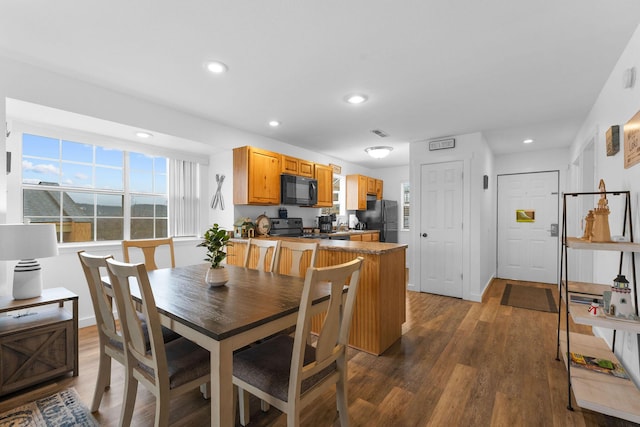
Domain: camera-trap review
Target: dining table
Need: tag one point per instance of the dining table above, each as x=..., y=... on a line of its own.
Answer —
x=252, y=305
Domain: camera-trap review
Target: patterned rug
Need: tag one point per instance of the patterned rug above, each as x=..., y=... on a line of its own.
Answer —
x=64, y=409
x=530, y=297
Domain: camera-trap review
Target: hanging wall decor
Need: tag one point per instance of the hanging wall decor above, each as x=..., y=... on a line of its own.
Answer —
x=632, y=141
x=217, y=200
x=613, y=140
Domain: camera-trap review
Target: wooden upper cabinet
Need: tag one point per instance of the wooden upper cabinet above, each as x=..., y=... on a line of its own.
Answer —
x=371, y=186
x=356, y=192
x=256, y=176
x=378, y=189
x=324, y=175
x=294, y=166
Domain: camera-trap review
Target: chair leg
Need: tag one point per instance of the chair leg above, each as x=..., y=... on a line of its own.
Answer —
x=264, y=406
x=341, y=399
x=129, y=400
x=163, y=400
x=243, y=405
x=293, y=417
x=103, y=381
x=205, y=389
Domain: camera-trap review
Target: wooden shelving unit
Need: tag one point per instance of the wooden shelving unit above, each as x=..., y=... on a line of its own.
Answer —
x=592, y=390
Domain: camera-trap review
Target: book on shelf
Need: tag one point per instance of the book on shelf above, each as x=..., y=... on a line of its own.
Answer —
x=595, y=364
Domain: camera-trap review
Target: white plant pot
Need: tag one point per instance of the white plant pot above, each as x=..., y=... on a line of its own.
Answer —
x=217, y=276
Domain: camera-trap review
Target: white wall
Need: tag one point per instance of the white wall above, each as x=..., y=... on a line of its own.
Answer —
x=478, y=209
x=35, y=85
x=615, y=106
x=393, y=178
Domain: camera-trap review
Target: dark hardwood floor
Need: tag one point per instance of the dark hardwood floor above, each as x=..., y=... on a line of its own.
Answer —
x=458, y=363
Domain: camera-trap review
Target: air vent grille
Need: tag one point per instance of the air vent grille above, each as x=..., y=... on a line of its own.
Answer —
x=380, y=133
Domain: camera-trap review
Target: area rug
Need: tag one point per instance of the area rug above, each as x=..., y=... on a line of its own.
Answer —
x=64, y=409
x=530, y=297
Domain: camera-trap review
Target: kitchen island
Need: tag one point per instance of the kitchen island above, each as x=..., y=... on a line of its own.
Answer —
x=380, y=303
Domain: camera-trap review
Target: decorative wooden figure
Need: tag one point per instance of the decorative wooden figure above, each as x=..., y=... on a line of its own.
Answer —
x=588, y=228
x=601, y=231
x=621, y=305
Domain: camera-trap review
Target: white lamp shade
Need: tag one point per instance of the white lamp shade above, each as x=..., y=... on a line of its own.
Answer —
x=27, y=241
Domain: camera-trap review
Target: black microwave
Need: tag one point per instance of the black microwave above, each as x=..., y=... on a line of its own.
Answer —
x=298, y=190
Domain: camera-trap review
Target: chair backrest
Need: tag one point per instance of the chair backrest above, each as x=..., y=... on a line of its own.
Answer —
x=264, y=248
x=148, y=247
x=291, y=257
x=333, y=337
x=101, y=296
x=121, y=275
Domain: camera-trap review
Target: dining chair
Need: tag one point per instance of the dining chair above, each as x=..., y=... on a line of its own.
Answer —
x=291, y=257
x=148, y=248
x=264, y=247
x=286, y=371
x=110, y=338
x=165, y=369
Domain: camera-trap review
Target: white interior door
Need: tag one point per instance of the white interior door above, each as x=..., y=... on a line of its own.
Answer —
x=441, y=228
x=528, y=250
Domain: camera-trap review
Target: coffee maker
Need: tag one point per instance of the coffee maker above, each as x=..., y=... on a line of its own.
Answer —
x=325, y=223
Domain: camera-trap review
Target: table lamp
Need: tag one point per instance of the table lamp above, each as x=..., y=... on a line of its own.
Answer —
x=26, y=242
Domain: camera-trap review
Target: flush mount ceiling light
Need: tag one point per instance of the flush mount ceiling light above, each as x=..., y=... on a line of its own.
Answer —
x=143, y=135
x=274, y=123
x=356, y=98
x=378, y=152
x=527, y=141
x=216, y=67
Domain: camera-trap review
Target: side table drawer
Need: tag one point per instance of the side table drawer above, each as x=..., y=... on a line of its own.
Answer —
x=35, y=348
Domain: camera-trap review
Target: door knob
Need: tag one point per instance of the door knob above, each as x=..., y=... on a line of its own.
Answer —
x=424, y=234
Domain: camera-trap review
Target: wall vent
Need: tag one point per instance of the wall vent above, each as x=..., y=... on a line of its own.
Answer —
x=380, y=133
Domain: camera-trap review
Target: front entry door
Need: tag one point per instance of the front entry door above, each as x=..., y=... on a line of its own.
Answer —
x=441, y=228
x=528, y=227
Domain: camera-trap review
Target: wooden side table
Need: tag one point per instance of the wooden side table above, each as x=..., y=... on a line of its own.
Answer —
x=40, y=344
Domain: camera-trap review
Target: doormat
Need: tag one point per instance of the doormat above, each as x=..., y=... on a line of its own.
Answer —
x=64, y=409
x=529, y=297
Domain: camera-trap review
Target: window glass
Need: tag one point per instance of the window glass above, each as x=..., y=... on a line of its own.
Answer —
x=76, y=152
x=81, y=189
x=405, y=197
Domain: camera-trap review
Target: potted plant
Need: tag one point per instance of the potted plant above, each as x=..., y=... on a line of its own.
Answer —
x=215, y=240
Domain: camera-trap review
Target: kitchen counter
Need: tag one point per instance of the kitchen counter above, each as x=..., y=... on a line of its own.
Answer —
x=380, y=302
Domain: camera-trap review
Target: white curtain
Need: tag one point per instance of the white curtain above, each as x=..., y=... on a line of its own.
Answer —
x=184, y=198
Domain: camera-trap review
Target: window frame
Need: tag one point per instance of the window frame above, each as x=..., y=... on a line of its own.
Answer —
x=405, y=204
x=15, y=211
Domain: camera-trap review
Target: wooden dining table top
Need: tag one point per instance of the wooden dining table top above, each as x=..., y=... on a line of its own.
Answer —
x=249, y=299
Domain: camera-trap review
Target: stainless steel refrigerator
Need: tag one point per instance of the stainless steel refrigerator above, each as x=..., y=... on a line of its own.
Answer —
x=381, y=215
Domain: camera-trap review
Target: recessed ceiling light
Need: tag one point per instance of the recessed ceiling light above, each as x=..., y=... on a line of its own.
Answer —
x=527, y=141
x=274, y=123
x=143, y=135
x=216, y=67
x=378, y=152
x=356, y=98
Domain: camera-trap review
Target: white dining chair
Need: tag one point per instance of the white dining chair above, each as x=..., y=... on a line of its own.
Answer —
x=165, y=369
x=291, y=257
x=267, y=251
x=150, y=249
x=286, y=371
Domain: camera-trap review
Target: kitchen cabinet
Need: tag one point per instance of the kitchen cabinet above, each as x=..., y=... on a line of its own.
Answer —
x=378, y=189
x=294, y=166
x=324, y=175
x=256, y=176
x=356, y=192
x=358, y=187
x=371, y=186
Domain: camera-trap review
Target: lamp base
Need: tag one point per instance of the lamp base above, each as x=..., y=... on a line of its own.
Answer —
x=27, y=279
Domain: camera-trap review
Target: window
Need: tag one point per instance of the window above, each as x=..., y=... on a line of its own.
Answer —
x=91, y=192
x=338, y=197
x=405, y=197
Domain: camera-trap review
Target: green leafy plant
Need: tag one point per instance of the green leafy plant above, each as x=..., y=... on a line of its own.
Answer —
x=215, y=240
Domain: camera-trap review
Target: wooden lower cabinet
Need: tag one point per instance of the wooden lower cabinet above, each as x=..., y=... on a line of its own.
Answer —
x=380, y=306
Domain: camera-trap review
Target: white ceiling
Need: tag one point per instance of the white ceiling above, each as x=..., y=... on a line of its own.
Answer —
x=513, y=69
